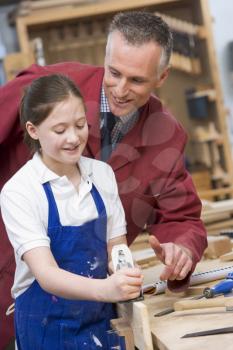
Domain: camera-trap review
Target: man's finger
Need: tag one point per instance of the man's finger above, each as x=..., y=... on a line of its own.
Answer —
x=156, y=246
x=166, y=273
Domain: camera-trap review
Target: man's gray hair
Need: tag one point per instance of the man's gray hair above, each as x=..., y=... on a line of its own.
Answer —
x=139, y=27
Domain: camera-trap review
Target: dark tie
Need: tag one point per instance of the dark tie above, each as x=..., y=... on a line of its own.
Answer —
x=106, y=131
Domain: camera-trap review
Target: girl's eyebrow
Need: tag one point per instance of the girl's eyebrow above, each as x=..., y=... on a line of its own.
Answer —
x=64, y=123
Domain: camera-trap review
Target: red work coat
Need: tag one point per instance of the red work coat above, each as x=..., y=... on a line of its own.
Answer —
x=154, y=186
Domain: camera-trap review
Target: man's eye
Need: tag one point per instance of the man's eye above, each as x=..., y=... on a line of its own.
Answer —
x=80, y=126
x=115, y=74
x=138, y=81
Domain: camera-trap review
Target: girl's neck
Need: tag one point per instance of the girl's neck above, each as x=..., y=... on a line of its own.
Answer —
x=71, y=171
x=74, y=176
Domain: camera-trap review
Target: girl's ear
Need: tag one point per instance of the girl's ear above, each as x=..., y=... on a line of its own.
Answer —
x=32, y=130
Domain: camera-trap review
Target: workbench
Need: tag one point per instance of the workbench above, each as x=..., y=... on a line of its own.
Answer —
x=165, y=332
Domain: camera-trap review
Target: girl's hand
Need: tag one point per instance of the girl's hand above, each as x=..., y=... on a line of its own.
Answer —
x=123, y=285
x=110, y=267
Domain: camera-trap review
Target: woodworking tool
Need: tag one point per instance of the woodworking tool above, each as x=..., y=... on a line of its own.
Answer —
x=169, y=310
x=223, y=287
x=122, y=257
x=209, y=332
x=228, y=233
x=219, y=301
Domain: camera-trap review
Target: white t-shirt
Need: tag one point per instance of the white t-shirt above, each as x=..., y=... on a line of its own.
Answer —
x=24, y=207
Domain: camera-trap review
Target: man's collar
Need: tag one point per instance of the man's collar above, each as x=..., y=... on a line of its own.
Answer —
x=104, y=107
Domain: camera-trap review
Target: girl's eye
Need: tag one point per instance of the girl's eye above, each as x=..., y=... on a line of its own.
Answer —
x=80, y=126
x=59, y=131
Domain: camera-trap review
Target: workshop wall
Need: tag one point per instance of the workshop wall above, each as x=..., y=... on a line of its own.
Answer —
x=8, y=37
x=222, y=12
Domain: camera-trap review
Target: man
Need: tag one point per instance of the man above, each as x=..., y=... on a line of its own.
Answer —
x=142, y=141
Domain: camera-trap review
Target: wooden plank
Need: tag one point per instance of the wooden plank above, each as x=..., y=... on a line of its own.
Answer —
x=123, y=329
x=211, y=194
x=15, y=62
x=27, y=6
x=222, y=225
x=217, y=245
x=224, y=207
x=90, y=9
x=136, y=314
x=227, y=256
x=168, y=330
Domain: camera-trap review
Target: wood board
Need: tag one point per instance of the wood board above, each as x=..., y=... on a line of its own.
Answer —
x=166, y=331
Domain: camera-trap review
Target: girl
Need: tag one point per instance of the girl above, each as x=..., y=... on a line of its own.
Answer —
x=63, y=216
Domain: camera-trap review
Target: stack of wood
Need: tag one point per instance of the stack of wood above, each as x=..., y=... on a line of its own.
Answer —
x=218, y=216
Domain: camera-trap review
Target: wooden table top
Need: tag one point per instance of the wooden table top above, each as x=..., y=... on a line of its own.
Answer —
x=167, y=330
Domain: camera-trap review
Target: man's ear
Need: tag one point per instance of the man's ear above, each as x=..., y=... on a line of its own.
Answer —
x=163, y=77
x=32, y=130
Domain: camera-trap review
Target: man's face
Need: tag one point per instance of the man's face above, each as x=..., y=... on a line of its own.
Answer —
x=131, y=74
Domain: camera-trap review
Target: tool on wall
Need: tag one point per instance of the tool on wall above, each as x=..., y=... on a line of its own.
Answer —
x=38, y=50
x=185, y=50
x=207, y=142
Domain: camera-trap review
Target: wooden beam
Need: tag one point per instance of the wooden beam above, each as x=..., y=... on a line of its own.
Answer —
x=136, y=314
x=90, y=9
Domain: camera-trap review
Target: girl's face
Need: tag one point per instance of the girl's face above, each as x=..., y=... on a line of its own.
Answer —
x=63, y=134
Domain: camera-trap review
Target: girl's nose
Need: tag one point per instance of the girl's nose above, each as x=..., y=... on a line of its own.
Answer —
x=73, y=136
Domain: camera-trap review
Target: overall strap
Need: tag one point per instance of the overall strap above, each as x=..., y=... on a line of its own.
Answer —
x=54, y=219
x=98, y=201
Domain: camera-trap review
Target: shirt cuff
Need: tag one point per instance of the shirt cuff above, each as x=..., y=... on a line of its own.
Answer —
x=119, y=231
x=45, y=242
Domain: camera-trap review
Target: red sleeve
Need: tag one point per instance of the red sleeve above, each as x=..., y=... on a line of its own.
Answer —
x=178, y=212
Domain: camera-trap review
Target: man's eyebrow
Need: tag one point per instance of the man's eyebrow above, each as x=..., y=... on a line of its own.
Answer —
x=132, y=77
x=113, y=68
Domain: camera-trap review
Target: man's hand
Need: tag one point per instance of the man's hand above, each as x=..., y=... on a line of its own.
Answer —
x=177, y=259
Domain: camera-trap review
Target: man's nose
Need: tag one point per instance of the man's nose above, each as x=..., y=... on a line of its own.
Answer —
x=122, y=88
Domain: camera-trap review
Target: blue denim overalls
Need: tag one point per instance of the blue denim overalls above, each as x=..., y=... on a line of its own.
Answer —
x=47, y=322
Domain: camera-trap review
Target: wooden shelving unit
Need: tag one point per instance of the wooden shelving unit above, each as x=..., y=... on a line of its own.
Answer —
x=79, y=33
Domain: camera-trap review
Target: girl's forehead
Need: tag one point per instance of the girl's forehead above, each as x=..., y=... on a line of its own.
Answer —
x=71, y=104
x=65, y=112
